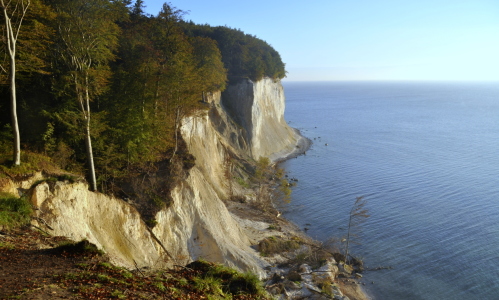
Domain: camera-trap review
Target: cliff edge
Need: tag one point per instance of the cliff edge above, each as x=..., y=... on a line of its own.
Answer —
x=242, y=124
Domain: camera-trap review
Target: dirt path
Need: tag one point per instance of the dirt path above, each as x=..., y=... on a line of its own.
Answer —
x=28, y=264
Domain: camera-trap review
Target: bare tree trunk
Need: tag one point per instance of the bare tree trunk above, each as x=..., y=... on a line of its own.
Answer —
x=348, y=235
x=177, y=128
x=90, y=158
x=13, y=113
x=88, y=140
x=358, y=214
x=12, y=34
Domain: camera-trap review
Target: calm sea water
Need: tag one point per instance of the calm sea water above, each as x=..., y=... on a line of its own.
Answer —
x=426, y=158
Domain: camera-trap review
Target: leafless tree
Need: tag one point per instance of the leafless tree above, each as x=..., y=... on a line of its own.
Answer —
x=13, y=15
x=358, y=214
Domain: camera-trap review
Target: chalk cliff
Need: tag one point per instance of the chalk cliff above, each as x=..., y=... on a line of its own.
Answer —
x=246, y=122
x=258, y=107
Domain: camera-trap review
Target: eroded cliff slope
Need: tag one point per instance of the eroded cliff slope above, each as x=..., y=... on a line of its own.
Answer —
x=244, y=123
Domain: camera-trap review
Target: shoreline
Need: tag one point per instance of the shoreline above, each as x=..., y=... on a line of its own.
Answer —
x=301, y=146
x=350, y=287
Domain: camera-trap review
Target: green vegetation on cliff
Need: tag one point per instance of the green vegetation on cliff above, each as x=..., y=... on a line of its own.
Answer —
x=244, y=55
x=101, y=88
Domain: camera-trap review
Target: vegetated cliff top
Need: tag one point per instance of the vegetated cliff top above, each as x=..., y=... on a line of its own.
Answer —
x=244, y=55
x=143, y=75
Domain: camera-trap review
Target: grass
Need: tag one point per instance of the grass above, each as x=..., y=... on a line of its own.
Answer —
x=223, y=281
x=6, y=245
x=199, y=280
x=30, y=163
x=14, y=211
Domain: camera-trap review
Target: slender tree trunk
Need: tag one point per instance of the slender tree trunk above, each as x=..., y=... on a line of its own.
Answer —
x=12, y=34
x=177, y=128
x=348, y=237
x=13, y=112
x=90, y=158
x=88, y=140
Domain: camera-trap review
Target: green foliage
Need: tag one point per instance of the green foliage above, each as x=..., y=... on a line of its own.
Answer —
x=6, y=138
x=6, y=245
x=14, y=211
x=32, y=162
x=198, y=280
x=133, y=77
x=151, y=223
x=118, y=294
x=271, y=181
x=263, y=169
x=222, y=281
x=244, y=55
x=48, y=139
x=242, y=182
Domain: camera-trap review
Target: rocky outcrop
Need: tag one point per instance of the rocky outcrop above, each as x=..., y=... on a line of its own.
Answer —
x=246, y=122
x=71, y=210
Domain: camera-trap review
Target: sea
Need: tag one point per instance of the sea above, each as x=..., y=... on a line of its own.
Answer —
x=425, y=158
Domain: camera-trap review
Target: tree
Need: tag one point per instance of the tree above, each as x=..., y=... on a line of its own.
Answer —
x=88, y=37
x=138, y=8
x=13, y=14
x=271, y=181
x=209, y=65
x=263, y=172
x=358, y=214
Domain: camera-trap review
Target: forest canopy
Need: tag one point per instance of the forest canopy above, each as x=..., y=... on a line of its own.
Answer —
x=101, y=87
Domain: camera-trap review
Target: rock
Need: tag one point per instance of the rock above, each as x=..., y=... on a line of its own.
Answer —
x=304, y=268
x=327, y=272
x=258, y=107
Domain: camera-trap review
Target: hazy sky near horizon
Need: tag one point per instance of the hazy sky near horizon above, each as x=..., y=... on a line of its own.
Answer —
x=365, y=39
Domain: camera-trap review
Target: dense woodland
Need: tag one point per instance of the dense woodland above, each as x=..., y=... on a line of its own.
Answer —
x=101, y=87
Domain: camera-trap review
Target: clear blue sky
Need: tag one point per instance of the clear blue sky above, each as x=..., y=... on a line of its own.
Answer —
x=365, y=39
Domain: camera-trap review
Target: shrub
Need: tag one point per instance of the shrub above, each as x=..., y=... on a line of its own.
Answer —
x=273, y=245
x=82, y=247
x=14, y=211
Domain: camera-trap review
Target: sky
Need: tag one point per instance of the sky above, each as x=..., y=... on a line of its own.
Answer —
x=322, y=40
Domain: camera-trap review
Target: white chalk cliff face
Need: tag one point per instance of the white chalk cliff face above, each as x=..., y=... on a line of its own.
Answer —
x=197, y=224
x=258, y=107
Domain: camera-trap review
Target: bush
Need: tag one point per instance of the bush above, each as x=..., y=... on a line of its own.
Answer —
x=273, y=245
x=14, y=211
x=82, y=247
